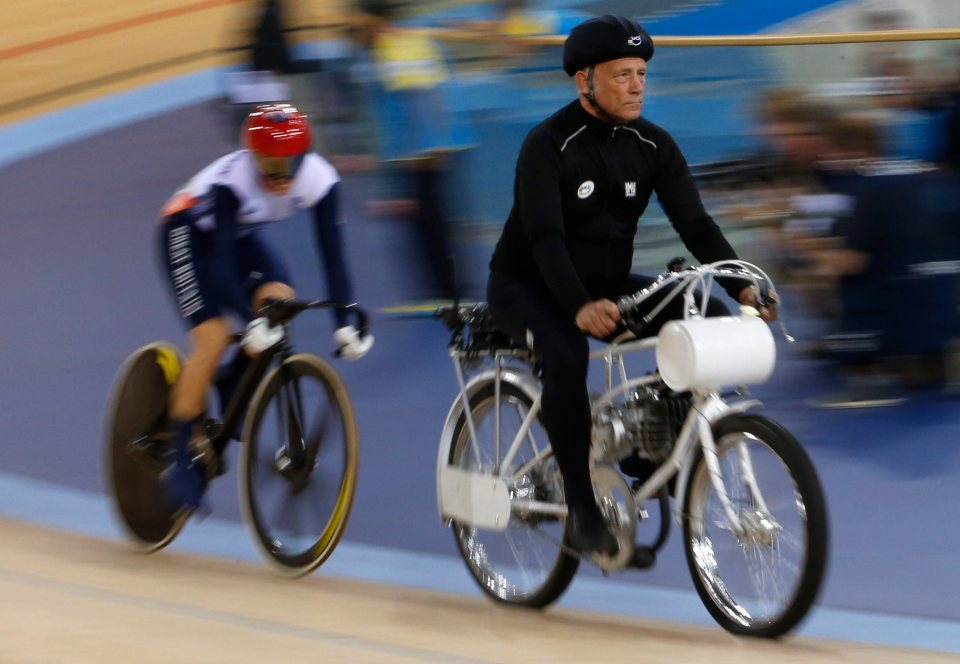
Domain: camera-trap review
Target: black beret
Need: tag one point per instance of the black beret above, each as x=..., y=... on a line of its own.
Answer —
x=605, y=38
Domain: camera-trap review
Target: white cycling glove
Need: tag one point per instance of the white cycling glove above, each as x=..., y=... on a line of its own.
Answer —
x=260, y=335
x=350, y=344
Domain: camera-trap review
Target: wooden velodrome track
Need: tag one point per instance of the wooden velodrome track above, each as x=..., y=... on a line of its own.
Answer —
x=75, y=599
x=69, y=598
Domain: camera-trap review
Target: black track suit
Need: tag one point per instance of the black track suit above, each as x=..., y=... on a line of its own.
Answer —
x=581, y=185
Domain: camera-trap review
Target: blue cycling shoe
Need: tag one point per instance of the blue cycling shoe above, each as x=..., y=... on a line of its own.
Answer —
x=185, y=481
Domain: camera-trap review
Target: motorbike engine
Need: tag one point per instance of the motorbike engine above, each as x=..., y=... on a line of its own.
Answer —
x=647, y=423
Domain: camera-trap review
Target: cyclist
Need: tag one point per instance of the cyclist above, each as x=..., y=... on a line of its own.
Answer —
x=218, y=264
x=583, y=178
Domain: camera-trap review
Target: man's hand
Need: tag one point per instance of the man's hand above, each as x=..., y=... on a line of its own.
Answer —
x=598, y=318
x=750, y=298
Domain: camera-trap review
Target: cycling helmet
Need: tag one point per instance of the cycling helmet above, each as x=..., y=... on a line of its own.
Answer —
x=278, y=135
x=605, y=38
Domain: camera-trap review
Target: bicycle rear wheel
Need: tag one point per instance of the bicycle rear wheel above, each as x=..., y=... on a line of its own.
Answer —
x=136, y=450
x=298, y=470
x=524, y=564
x=763, y=581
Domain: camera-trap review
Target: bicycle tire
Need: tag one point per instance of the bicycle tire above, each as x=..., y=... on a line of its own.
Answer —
x=480, y=548
x=135, y=454
x=734, y=590
x=278, y=481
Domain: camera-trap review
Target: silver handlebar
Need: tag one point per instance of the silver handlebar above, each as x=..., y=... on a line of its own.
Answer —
x=687, y=280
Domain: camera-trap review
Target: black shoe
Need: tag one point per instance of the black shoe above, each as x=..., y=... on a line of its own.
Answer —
x=643, y=557
x=640, y=469
x=588, y=533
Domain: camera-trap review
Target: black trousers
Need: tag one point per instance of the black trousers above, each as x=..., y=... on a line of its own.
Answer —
x=526, y=310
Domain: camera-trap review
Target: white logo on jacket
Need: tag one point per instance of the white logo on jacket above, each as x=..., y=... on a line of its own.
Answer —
x=630, y=189
x=585, y=189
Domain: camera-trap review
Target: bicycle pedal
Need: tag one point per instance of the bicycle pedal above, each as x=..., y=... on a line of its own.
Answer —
x=207, y=456
x=212, y=427
x=149, y=443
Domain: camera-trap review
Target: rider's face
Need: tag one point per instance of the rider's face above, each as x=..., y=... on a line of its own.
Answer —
x=618, y=87
x=277, y=173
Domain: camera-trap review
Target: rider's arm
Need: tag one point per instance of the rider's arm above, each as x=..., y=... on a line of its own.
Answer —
x=228, y=284
x=326, y=224
x=680, y=198
x=538, y=198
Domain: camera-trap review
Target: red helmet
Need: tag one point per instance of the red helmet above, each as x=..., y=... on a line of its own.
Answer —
x=277, y=130
x=278, y=135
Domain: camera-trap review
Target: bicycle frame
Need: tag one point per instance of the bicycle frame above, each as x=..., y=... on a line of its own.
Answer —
x=236, y=410
x=278, y=313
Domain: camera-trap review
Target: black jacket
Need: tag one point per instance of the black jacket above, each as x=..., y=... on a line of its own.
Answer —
x=581, y=185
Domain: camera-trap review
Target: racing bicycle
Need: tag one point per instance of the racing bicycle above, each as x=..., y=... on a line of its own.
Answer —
x=298, y=457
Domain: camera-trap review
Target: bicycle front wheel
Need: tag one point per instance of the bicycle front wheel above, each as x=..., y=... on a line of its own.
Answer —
x=759, y=579
x=524, y=564
x=298, y=470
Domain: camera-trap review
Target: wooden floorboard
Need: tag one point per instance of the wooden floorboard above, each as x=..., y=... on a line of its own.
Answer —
x=55, y=54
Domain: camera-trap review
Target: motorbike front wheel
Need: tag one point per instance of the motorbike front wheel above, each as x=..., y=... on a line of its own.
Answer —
x=758, y=579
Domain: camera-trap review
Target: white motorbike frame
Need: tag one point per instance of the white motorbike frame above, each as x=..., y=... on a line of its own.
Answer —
x=482, y=499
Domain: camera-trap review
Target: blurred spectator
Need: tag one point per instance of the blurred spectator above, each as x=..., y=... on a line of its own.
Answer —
x=418, y=137
x=273, y=73
x=951, y=152
x=804, y=189
x=271, y=50
x=949, y=102
x=894, y=88
x=520, y=19
x=869, y=242
x=897, y=267
x=838, y=147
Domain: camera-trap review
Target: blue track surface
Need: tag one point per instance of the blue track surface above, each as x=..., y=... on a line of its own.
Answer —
x=81, y=290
